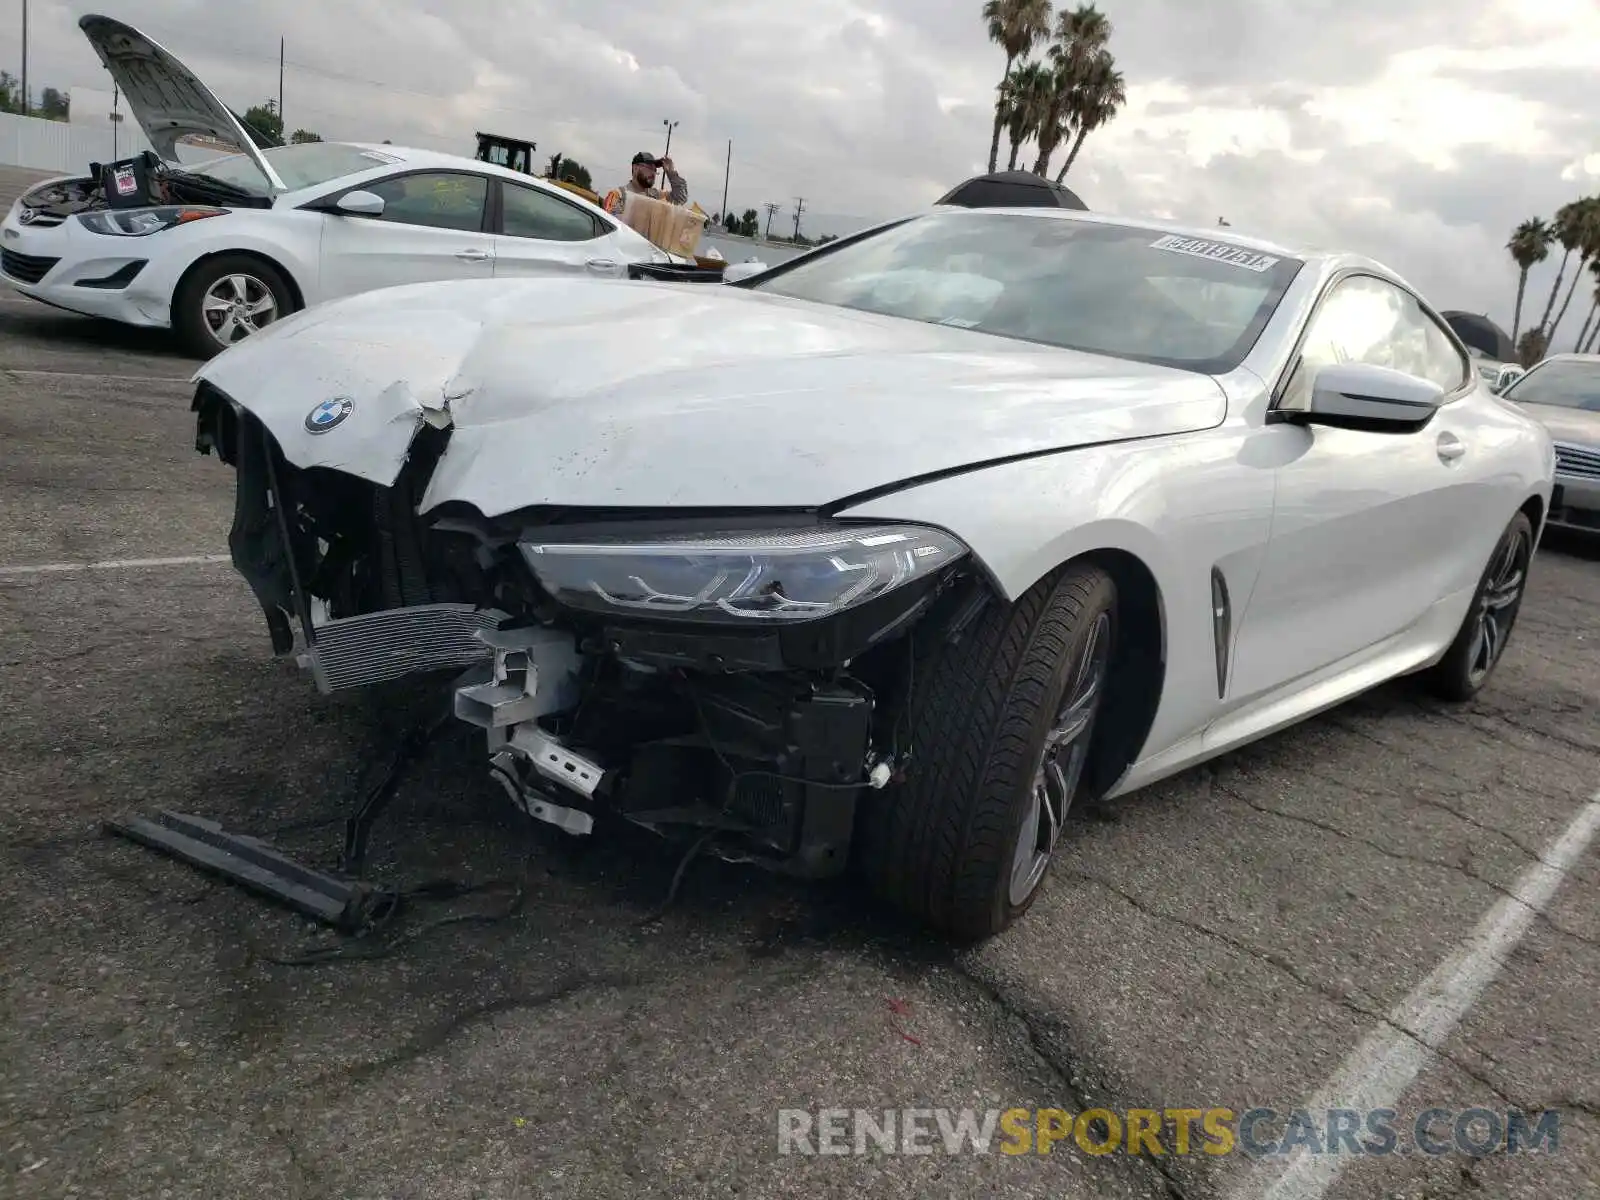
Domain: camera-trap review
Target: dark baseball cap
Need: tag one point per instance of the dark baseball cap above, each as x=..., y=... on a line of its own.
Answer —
x=645, y=158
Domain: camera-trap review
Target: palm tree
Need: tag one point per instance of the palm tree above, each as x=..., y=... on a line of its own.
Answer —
x=1026, y=96
x=1583, y=330
x=1016, y=26
x=1100, y=96
x=1587, y=234
x=1081, y=35
x=1531, y=346
x=1566, y=229
x=1529, y=245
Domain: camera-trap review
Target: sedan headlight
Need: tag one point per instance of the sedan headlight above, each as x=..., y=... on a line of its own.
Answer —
x=782, y=576
x=141, y=222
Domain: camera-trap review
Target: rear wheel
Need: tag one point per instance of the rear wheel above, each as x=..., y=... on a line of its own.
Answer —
x=226, y=299
x=1481, y=642
x=1001, y=732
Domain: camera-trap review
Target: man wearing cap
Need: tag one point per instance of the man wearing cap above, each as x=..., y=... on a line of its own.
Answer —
x=643, y=181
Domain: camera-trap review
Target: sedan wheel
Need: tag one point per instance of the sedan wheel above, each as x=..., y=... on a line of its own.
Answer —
x=236, y=306
x=1002, y=724
x=226, y=299
x=1481, y=641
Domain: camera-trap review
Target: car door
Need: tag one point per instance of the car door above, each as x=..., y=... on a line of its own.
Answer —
x=1367, y=526
x=434, y=225
x=544, y=234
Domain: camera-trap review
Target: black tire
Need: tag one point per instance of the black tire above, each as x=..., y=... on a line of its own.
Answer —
x=941, y=845
x=1462, y=673
x=189, y=318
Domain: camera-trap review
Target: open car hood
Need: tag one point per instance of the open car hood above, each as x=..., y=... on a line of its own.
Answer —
x=594, y=393
x=166, y=98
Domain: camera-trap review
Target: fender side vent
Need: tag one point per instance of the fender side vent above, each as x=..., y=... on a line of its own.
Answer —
x=1221, y=627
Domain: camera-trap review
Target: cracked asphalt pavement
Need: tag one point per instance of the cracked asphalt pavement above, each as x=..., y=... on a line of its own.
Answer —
x=1223, y=939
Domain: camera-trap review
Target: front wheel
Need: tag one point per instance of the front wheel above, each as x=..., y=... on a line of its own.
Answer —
x=226, y=299
x=1002, y=724
x=1481, y=642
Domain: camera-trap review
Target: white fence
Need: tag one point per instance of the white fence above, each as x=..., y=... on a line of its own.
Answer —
x=42, y=145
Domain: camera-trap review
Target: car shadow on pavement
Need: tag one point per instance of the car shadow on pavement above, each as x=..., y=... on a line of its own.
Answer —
x=69, y=333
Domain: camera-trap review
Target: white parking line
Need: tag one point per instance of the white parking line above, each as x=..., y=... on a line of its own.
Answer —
x=1380, y=1069
x=98, y=375
x=116, y=564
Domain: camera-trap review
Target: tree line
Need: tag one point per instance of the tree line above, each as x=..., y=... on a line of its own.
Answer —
x=264, y=124
x=1059, y=97
x=54, y=104
x=1575, y=228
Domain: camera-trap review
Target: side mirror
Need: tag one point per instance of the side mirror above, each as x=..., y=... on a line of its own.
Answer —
x=361, y=204
x=1368, y=398
x=734, y=272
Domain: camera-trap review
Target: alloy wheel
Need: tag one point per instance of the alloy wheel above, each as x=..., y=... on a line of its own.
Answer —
x=1066, y=749
x=235, y=306
x=1497, y=604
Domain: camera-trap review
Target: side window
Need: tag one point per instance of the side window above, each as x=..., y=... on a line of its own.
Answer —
x=438, y=199
x=1368, y=320
x=531, y=213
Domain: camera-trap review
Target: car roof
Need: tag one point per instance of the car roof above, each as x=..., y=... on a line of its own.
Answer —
x=411, y=158
x=1581, y=358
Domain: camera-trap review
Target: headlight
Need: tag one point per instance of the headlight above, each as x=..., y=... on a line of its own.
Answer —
x=774, y=577
x=141, y=222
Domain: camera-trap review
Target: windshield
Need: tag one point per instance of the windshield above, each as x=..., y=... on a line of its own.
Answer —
x=1119, y=290
x=1561, y=385
x=301, y=166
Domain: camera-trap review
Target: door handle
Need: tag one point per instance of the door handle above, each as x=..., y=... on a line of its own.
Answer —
x=1450, y=447
x=601, y=264
x=472, y=255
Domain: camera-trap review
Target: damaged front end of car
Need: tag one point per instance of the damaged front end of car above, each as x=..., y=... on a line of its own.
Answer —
x=736, y=678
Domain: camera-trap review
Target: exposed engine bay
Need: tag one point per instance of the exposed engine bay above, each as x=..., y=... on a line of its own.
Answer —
x=721, y=699
x=144, y=181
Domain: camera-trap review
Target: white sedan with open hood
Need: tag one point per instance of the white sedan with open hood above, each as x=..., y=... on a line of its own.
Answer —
x=892, y=554
x=219, y=249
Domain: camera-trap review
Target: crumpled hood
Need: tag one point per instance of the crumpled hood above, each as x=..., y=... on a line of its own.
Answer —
x=618, y=394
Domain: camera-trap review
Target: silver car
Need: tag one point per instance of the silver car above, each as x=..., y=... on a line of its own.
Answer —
x=1563, y=394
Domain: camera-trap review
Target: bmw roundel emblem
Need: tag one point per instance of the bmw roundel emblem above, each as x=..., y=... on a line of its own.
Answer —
x=329, y=414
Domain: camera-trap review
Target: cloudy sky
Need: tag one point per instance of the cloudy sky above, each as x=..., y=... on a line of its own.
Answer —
x=1417, y=132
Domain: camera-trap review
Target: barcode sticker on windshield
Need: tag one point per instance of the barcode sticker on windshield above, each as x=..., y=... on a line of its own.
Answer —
x=1217, y=251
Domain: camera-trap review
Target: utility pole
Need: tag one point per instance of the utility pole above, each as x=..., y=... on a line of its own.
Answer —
x=282, y=127
x=671, y=125
x=772, y=211
x=24, y=57
x=726, y=168
x=799, y=207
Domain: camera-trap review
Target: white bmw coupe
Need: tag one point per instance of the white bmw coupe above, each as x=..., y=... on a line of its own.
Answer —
x=219, y=249
x=894, y=553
